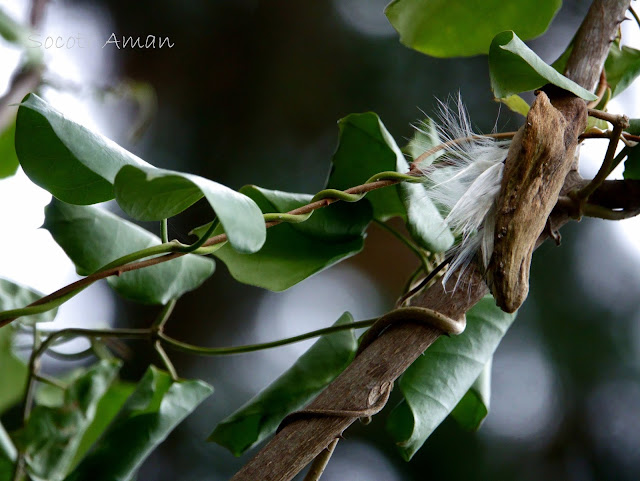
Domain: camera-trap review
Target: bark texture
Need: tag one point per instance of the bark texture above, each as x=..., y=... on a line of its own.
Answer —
x=364, y=381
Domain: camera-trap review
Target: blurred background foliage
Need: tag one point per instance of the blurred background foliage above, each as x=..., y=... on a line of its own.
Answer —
x=251, y=93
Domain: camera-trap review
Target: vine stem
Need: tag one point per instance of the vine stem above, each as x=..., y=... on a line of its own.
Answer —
x=393, y=352
x=635, y=15
x=225, y=351
x=164, y=230
x=174, y=249
x=164, y=315
x=620, y=122
x=166, y=360
x=158, y=337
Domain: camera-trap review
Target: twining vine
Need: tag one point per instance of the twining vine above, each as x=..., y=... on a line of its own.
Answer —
x=424, y=310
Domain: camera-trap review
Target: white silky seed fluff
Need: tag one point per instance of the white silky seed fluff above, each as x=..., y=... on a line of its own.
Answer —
x=465, y=182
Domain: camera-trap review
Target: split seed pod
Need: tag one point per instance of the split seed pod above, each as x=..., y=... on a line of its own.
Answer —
x=539, y=159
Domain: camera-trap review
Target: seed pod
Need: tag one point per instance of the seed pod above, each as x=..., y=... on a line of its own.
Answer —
x=537, y=164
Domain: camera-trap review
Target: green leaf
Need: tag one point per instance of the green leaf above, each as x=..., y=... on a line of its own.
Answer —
x=466, y=27
x=515, y=68
x=15, y=296
x=474, y=405
x=622, y=67
x=7, y=448
x=425, y=137
x=365, y=148
x=8, y=158
x=632, y=164
x=8, y=455
x=93, y=237
x=11, y=30
x=14, y=371
x=436, y=382
x=53, y=434
x=106, y=410
x=424, y=221
x=75, y=164
x=315, y=369
x=155, y=194
x=294, y=252
x=593, y=122
x=155, y=408
x=516, y=104
x=634, y=127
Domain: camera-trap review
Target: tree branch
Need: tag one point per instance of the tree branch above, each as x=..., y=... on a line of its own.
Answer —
x=592, y=41
x=392, y=353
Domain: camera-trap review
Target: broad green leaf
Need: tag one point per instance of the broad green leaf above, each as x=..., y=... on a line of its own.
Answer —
x=436, y=382
x=8, y=455
x=315, y=369
x=7, y=448
x=294, y=252
x=516, y=104
x=93, y=237
x=8, y=158
x=622, y=67
x=201, y=230
x=14, y=371
x=106, y=410
x=632, y=164
x=465, y=27
x=53, y=434
x=474, y=405
x=11, y=30
x=634, y=126
x=154, y=409
x=425, y=137
x=424, y=221
x=155, y=194
x=515, y=68
x=15, y=296
x=75, y=164
x=365, y=148
x=593, y=122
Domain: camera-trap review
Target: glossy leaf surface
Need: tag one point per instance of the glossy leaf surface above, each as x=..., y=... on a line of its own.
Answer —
x=261, y=416
x=463, y=28
x=93, y=237
x=436, y=382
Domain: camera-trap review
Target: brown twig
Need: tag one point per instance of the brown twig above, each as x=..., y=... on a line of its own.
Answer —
x=620, y=122
x=602, y=88
x=387, y=357
x=607, y=135
x=80, y=284
x=577, y=210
